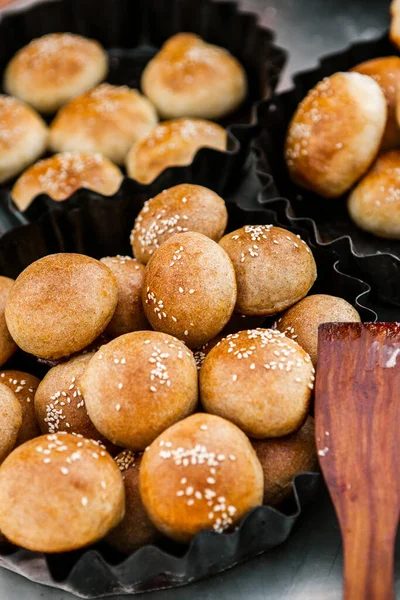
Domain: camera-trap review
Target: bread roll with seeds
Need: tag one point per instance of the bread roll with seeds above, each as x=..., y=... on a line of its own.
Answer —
x=7, y=345
x=129, y=314
x=135, y=529
x=24, y=386
x=107, y=119
x=59, y=493
x=284, y=458
x=335, y=133
x=172, y=143
x=10, y=419
x=302, y=320
x=23, y=137
x=201, y=473
x=54, y=68
x=386, y=72
x=62, y=174
x=184, y=207
x=189, y=289
x=190, y=78
x=138, y=385
x=60, y=304
x=274, y=268
x=260, y=380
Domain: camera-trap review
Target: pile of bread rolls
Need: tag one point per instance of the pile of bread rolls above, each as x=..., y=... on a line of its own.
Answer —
x=100, y=127
x=168, y=409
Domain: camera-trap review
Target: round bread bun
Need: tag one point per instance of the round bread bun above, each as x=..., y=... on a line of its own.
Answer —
x=53, y=69
x=284, y=458
x=172, y=143
x=24, y=387
x=394, y=32
x=62, y=174
x=335, y=133
x=23, y=137
x=274, y=268
x=59, y=493
x=60, y=304
x=135, y=529
x=386, y=72
x=201, y=473
x=302, y=320
x=138, y=385
x=10, y=419
x=129, y=314
x=107, y=119
x=260, y=380
x=189, y=289
x=374, y=204
x=184, y=207
x=190, y=78
x=7, y=345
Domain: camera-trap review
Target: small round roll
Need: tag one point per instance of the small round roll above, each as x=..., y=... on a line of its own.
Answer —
x=23, y=137
x=172, y=143
x=184, y=207
x=10, y=419
x=386, y=72
x=59, y=493
x=108, y=120
x=201, y=473
x=24, y=386
x=335, y=133
x=60, y=304
x=53, y=69
x=7, y=345
x=374, y=204
x=62, y=174
x=302, y=320
x=190, y=78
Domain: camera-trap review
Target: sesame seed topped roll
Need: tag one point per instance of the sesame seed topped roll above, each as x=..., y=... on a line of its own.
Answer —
x=11, y=421
x=7, y=345
x=24, y=387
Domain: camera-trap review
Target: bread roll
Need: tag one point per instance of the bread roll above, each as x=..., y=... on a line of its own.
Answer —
x=7, y=345
x=24, y=387
x=10, y=419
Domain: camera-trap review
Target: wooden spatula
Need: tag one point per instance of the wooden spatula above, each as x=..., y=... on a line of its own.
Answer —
x=357, y=411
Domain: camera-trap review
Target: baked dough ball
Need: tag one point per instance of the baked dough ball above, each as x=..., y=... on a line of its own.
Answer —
x=135, y=529
x=284, y=458
x=108, y=119
x=394, y=32
x=62, y=174
x=189, y=288
x=301, y=322
x=190, y=78
x=58, y=493
x=184, y=207
x=260, y=380
x=274, y=268
x=129, y=314
x=60, y=304
x=10, y=419
x=53, y=69
x=23, y=137
x=335, y=133
x=374, y=205
x=201, y=473
x=24, y=387
x=386, y=72
x=172, y=143
x=7, y=345
x=138, y=385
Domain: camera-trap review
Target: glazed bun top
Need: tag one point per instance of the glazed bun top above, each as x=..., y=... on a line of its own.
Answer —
x=190, y=78
x=53, y=69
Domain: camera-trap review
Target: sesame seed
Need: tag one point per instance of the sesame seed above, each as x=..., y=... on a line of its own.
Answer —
x=117, y=407
x=84, y=500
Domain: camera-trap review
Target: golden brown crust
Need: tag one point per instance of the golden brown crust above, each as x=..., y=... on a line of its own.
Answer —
x=59, y=493
x=302, y=320
x=7, y=345
x=24, y=387
x=138, y=385
x=60, y=304
x=190, y=288
x=184, y=207
x=274, y=268
x=202, y=473
x=170, y=144
x=394, y=32
x=10, y=419
x=260, y=380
